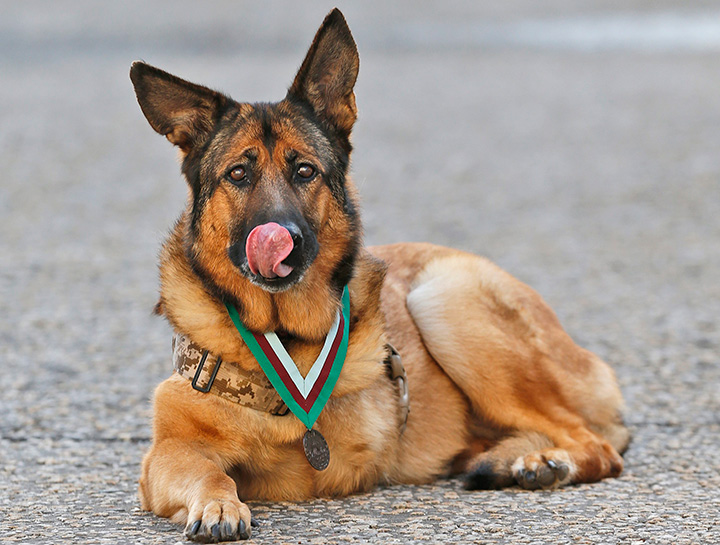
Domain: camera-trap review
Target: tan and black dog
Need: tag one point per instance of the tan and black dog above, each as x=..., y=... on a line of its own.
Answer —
x=498, y=391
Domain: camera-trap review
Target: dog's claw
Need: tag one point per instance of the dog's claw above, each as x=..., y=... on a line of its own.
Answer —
x=226, y=531
x=242, y=530
x=222, y=520
x=193, y=530
x=254, y=523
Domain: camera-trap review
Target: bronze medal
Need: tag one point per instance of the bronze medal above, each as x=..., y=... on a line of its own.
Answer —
x=316, y=449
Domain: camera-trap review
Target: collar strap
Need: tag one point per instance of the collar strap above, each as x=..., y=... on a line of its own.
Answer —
x=251, y=389
x=225, y=379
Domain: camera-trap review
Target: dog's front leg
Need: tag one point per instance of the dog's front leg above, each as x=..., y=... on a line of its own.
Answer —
x=183, y=484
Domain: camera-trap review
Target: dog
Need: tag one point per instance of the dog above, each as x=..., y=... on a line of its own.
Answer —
x=407, y=362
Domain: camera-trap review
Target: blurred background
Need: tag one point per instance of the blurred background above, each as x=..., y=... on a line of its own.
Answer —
x=574, y=143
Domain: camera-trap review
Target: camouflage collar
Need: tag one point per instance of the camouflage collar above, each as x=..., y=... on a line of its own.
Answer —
x=248, y=388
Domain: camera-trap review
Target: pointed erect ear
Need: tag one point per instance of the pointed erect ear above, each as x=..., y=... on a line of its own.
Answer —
x=328, y=73
x=183, y=112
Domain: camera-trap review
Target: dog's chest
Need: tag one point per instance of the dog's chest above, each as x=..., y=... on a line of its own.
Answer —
x=362, y=436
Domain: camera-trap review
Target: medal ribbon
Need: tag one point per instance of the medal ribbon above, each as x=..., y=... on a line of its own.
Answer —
x=305, y=396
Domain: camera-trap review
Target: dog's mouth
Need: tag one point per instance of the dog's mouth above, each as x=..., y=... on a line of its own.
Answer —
x=267, y=247
x=275, y=256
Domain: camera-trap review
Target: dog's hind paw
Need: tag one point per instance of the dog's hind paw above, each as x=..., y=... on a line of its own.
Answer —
x=551, y=468
x=219, y=520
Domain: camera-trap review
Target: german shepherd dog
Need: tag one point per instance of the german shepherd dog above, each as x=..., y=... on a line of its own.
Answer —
x=270, y=241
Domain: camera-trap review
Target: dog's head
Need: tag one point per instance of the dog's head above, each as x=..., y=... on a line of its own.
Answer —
x=270, y=203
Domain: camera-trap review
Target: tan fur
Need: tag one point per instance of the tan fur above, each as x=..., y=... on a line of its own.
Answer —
x=498, y=339
x=498, y=390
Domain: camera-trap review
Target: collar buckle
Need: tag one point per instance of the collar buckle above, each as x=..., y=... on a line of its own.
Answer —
x=214, y=373
x=398, y=374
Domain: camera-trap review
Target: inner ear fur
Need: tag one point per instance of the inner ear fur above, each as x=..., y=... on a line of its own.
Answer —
x=183, y=112
x=327, y=75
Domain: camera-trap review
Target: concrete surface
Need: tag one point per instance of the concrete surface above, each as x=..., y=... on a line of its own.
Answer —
x=575, y=143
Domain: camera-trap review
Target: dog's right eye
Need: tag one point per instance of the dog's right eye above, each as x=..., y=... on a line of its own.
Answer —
x=237, y=174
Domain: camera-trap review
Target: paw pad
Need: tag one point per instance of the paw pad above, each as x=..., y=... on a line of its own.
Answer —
x=540, y=473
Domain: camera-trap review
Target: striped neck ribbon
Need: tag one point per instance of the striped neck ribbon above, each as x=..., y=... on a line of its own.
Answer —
x=305, y=396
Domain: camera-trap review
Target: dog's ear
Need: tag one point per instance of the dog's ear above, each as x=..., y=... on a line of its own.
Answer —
x=183, y=112
x=327, y=75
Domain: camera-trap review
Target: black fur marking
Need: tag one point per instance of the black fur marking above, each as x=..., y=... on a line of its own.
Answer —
x=268, y=135
x=483, y=477
x=344, y=270
x=192, y=164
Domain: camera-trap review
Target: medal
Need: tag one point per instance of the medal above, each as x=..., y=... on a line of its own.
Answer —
x=305, y=396
x=316, y=449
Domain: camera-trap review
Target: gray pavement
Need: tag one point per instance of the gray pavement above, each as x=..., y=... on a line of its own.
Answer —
x=574, y=143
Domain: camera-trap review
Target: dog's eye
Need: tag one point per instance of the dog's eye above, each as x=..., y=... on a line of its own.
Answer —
x=306, y=172
x=237, y=174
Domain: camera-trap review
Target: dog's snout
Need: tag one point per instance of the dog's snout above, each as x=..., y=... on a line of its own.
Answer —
x=277, y=250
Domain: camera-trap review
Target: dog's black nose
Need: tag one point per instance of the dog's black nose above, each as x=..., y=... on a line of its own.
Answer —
x=295, y=257
x=295, y=233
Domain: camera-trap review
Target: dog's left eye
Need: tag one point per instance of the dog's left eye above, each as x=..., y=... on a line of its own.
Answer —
x=305, y=172
x=237, y=174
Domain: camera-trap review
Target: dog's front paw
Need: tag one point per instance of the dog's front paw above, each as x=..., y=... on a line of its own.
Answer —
x=218, y=520
x=551, y=468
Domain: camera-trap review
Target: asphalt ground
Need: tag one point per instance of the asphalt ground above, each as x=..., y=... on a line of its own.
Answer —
x=576, y=144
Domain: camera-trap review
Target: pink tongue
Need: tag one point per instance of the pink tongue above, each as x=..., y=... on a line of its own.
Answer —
x=266, y=246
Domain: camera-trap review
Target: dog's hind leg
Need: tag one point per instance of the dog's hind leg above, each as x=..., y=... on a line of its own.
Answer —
x=557, y=403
